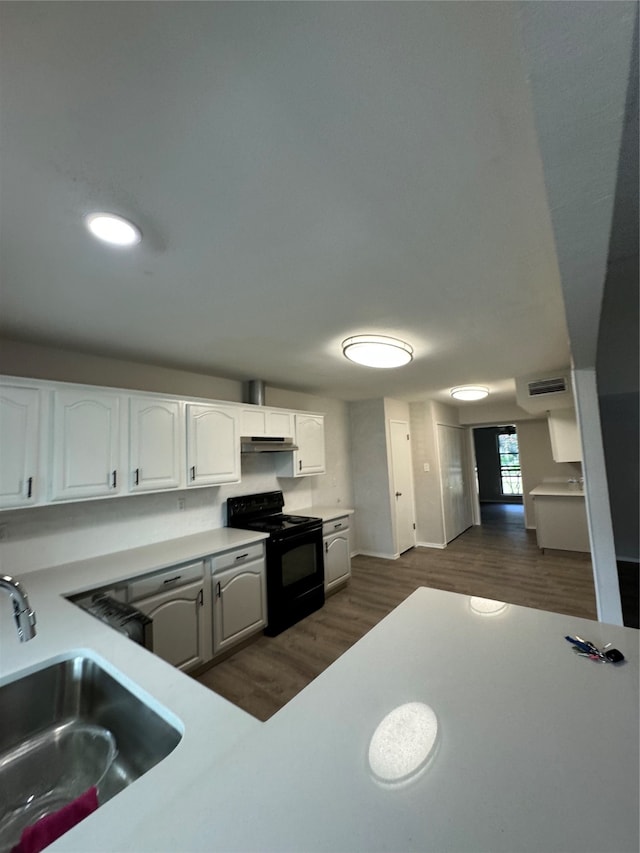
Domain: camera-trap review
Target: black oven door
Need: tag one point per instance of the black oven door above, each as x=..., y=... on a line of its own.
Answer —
x=295, y=578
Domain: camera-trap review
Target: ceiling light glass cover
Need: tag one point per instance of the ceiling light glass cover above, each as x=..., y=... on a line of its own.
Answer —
x=113, y=229
x=377, y=351
x=470, y=392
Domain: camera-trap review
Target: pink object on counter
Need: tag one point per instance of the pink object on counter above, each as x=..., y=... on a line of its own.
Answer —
x=36, y=837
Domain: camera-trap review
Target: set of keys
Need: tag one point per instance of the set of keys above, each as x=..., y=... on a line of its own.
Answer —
x=585, y=649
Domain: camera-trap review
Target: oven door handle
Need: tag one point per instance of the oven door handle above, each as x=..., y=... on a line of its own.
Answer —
x=312, y=536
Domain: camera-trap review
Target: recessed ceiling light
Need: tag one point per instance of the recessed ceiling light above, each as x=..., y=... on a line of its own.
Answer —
x=377, y=351
x=113, y=229
x=469, y=392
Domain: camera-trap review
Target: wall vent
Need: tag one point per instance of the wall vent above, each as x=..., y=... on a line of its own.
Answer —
x=547, y=386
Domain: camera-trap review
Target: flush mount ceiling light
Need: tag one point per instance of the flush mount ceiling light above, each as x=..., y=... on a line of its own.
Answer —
x=113, y=229
x=377, y=351
x=469, y=392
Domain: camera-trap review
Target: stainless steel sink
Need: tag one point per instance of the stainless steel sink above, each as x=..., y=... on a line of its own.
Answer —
x=65, y=728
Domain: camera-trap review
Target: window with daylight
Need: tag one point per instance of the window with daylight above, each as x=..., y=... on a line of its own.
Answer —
x=510, y=474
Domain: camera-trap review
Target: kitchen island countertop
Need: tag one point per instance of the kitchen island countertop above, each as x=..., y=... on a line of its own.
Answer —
x=520, y=718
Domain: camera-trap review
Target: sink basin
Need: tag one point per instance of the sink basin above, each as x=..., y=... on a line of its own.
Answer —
x=65, y=728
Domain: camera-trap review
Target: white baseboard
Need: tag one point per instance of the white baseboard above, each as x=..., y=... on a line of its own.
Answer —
x=381, y=556
x=440, y=545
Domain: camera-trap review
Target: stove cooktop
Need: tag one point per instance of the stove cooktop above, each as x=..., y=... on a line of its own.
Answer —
x=279, y=523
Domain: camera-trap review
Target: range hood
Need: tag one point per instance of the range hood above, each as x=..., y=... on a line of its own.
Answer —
x=266, y=444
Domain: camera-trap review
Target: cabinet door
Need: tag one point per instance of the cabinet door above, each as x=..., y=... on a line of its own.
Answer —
x=280, y=423
x=155, y=460
x=310, y=441
x=19, y=441
x=258, y=421
x=239, y=608
x=213, y=445
x=337, y=558
x=179, y=624
x=85, y=445
x=565, y=436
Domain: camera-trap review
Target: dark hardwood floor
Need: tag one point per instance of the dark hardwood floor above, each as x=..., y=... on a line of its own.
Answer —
x=499, y=559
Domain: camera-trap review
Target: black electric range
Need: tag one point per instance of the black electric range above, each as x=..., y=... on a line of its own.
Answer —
x=294, y=556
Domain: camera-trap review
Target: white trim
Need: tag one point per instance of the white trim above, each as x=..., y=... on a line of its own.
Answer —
x=596, y=492
x=441, y=545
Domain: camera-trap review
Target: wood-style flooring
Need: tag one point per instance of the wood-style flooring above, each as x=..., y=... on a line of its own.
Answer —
x=499, y=559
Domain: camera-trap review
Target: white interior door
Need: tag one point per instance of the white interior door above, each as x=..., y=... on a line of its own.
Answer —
x=456, y=495
x=402, y=483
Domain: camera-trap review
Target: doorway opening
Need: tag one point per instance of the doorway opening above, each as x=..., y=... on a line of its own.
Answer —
x=499, y=476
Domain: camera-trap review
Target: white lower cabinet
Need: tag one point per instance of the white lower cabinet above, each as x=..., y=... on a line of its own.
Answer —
x=181, y=617
x=337, y=553
x=239, y=595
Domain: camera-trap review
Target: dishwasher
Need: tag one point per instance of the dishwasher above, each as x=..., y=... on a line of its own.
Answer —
x=175, y=600
x=110, y=607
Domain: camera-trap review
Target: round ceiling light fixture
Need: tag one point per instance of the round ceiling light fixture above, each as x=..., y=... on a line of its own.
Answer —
x=113, y=229
x=469, y=392
x=377, y=351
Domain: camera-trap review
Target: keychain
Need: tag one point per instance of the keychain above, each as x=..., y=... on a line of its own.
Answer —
x=585, y=649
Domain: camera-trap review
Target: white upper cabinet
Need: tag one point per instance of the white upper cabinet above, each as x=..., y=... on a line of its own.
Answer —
x=309, y=458
x=565, y=436
x=85, y=444
x=19, y=446
x=156, y=456
x=213, y=445
x=259, y=422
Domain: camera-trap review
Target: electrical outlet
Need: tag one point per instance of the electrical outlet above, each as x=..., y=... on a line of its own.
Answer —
x=180, y=503
x=427, y=467
x=4, y=533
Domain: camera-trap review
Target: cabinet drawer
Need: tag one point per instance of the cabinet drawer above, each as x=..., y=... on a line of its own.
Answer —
x=333, y=526
x=167, y=579
x=237, y=557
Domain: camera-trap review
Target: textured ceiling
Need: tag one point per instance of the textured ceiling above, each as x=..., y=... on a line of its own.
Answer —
x=301, y=172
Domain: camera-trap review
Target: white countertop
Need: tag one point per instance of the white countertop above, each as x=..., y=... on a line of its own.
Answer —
x=537, y=748
x=557, y=490
x=326, y=513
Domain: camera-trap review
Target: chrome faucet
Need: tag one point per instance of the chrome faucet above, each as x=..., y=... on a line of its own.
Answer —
x=22, y=613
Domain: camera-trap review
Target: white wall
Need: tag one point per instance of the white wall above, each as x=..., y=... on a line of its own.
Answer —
x=370, y=470
x=47, y=536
